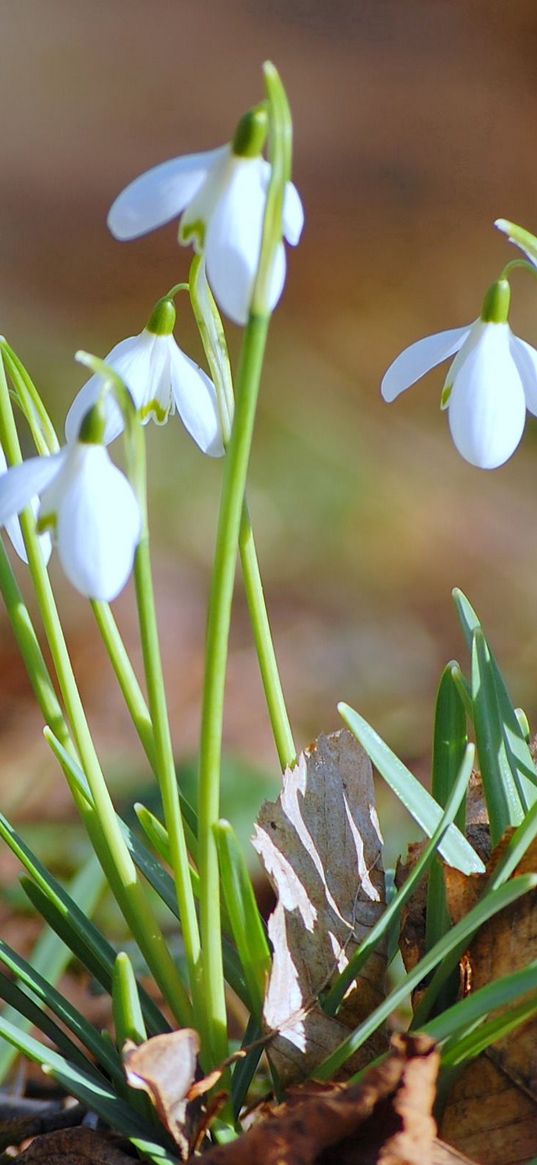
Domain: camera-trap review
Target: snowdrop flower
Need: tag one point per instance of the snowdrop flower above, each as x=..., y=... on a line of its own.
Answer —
x=88, y=505
x=489, y=385
x=221, y=197
x=160, y=379
x=13, y=527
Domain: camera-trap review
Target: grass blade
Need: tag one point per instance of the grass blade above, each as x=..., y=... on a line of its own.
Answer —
x=461, y=932
x=456, y=850
x=501, y=784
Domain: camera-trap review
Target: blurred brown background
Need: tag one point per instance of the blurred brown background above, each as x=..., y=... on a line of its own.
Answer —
x=415, y=128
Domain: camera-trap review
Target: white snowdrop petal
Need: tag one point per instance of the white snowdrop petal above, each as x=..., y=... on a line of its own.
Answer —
x=195, y=399
x=98, y=525
x=153, y=394
x=234, y=239
x=487, y=408
x=293, y=214
x=277, y=279
x=525, y=358
x=131, y=359
x=23, y=482
x=160, y=194
x=419, y=358
x=14, y=532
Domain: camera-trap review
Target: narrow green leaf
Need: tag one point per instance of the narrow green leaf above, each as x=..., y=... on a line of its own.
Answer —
x=504, y=797
x=244, y=1070
x=162, y=883
x=128, y=1016
x=467, y=1047
x=28, y=1014
x=515, y=744
x=393, y=910
x=50, y=955
x=471, y=1010
x=157, y=836
x=70, y=923
x=456, y=850
x=450, y=740
x=247, y=926
x=449, y=745
x=105, y=1055
x=461, y=932
x=89, y=946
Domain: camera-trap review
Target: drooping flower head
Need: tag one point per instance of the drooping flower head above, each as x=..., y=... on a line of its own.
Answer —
x=221, y=197
x=88, y=506
x=488, y=387
x=161, y=379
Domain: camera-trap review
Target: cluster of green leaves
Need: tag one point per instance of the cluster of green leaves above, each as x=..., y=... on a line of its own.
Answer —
x=509, y=778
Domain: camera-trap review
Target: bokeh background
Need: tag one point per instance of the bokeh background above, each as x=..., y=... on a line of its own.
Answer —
x=415, y=129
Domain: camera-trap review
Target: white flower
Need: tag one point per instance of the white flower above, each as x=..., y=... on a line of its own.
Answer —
x=221, y=196
x=13, y=526
x=160, y=379
x=489, y=385
x=90, y=508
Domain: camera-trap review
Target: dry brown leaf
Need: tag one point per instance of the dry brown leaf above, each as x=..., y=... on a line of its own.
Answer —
x=78, y=1146
x=320, y=844
x=385, y=1120
x=165, y=1067
x=492, y=1108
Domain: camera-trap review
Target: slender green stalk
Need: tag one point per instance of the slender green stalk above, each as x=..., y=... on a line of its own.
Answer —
x=126, y=677
x=268, y=665
x=223, y=577
x=121, y=868
x=214, y=342
x=218, y=624
x=163, y=749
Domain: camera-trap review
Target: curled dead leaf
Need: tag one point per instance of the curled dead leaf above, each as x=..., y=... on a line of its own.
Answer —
x=384, y=1120
x=165, y=1067
x=320, y=845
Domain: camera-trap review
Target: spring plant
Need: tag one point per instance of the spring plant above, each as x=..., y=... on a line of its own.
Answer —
x=198, y=1037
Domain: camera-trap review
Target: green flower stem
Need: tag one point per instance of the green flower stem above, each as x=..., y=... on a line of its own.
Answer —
x=515, y=264
x=223, y=577
x=218, y=624
x=120, y=868
x=163, y=749
x=213, y=338
x=268, y=666
x=126, y=677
